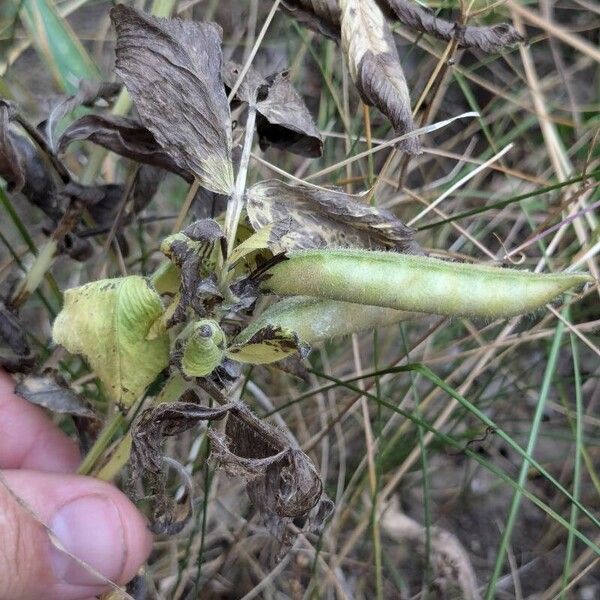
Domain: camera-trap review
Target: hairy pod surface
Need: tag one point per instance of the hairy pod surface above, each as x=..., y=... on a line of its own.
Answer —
x=314, y=320
x=203, y=346
x=416, y=283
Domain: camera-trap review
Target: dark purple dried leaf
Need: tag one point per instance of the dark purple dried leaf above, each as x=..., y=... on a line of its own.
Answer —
x=50, y=391
x=15, y=353
x=88, y=93
x=419, y=18
x=374, y=66
x=124, y=136
x=172, y=68
x=282, y=120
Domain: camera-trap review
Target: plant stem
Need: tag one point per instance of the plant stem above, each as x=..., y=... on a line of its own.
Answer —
x=234, y=207
x=101, y=443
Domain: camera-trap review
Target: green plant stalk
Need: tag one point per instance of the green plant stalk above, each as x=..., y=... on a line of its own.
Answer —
x=525, y=465
x=416, y=283
x=576, y=465
x=101, y=444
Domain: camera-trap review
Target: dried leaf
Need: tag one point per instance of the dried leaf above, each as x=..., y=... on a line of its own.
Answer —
x=419, y=18
x=52, y=392
x=322, y=16
x=11, y=164
x=282, y=480
x=124, y=136
x=147, y=459
x=266, y=345
x=252, y=88
x=282, y=121
x=310, y=217
x=374, y=65
x=120, y=313
x=172, y=68
x=88, y=93
x=15, y=353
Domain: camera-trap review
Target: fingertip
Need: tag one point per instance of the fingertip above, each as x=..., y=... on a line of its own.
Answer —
x=28, y=437
x=91, y=520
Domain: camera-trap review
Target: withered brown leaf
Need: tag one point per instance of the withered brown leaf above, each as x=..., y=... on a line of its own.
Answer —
x=124, y=136
x=419, y=18
x=11, y=163
x=15, y=353
x=311, y=217
x=283, y=120
x=323, y=16
x=52, y=392
x=374, y=65
x=172, y=68
x=282, y=481
x=387, y=90
x=88, y=92
x=147, y=459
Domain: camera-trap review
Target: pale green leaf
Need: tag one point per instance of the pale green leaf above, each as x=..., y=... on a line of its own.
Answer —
x=108, y=322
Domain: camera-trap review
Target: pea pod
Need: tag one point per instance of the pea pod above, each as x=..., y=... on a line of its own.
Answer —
x=416, y=283
x=314, y=320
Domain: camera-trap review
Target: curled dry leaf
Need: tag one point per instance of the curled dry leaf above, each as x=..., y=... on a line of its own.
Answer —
x=11, y=164
x=453, y=573
x=172, y=68
x=88, y=93
x=374, y=65
x=308, y=217
x=419, y=18
x=283, y=120
x=362, y=27
x=323, y=16
x=147, y=459
x=124, y=136
x=282, y=481
x=15, y=353
x=52, y=392
x=120, y=313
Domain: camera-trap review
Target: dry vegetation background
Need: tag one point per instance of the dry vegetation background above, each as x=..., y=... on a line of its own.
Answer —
x=416, y=514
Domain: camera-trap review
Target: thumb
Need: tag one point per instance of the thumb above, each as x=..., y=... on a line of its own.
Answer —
x=92, y=520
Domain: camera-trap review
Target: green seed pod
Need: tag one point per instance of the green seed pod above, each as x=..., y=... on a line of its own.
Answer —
x=416, y=283
x=314, y=320
x=200, y=348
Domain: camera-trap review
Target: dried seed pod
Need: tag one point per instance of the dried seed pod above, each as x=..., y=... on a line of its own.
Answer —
x=416, y=283
x=199, y=348
x=314, y=320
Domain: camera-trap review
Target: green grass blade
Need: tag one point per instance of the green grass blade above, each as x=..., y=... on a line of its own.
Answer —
x=57, y=45
x=533, y=436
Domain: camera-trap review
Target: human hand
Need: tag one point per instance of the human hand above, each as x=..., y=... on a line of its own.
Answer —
x=93, y=520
